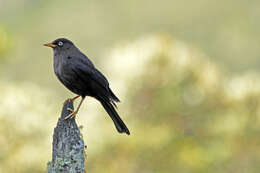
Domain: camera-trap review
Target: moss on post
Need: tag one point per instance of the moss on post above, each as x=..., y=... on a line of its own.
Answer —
x=68, y=149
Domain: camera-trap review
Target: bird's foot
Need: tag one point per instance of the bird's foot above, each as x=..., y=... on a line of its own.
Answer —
x=71, y=115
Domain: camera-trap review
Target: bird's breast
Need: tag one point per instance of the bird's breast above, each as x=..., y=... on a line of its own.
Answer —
x=62, y=69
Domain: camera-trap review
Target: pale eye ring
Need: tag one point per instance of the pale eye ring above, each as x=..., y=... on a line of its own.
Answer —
x=60, y=43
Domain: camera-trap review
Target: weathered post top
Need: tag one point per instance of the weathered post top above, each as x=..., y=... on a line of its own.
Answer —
x=68, y=149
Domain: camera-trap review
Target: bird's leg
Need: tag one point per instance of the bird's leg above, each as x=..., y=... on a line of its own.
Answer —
x=74, y=98
x=73, y=114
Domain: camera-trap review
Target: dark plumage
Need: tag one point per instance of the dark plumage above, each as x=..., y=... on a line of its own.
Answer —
x=79, y=75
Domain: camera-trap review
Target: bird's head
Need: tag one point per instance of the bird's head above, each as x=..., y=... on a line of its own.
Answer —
x=60, y=44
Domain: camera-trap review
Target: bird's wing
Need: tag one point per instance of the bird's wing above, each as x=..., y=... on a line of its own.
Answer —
x=87, y=72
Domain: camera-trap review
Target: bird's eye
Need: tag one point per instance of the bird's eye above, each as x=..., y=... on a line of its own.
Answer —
x=60, y=43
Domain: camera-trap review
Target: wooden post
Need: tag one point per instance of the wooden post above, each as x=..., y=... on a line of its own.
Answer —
x=68, y=149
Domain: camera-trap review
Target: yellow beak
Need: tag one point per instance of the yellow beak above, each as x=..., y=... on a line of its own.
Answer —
x=50, y=45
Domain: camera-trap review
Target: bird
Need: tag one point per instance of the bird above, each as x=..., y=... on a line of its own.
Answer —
x=78, y=74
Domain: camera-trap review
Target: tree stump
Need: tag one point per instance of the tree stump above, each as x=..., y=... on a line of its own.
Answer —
x=68, y=149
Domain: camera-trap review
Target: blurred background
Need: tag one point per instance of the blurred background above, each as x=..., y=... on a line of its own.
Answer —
x=186, y=72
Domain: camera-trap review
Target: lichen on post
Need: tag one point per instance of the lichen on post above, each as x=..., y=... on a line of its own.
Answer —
x=68, y=148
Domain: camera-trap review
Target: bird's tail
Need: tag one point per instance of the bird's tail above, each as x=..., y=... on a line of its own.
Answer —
x=120, y=125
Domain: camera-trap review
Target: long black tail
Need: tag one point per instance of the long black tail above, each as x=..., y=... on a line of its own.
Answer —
x=120, y=125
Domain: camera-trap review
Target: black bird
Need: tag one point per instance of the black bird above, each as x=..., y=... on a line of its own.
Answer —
x=80, y=76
